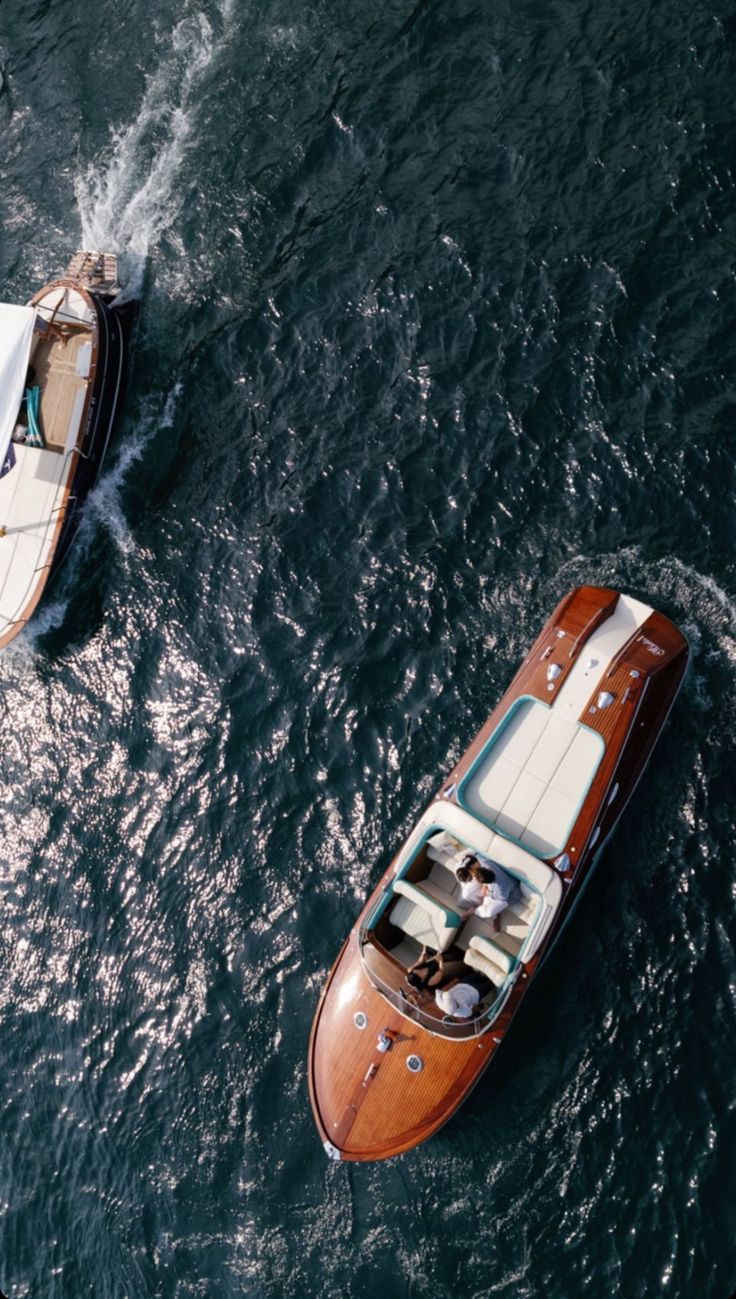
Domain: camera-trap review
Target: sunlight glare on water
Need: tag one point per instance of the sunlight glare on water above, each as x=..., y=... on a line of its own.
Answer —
x=435, y=325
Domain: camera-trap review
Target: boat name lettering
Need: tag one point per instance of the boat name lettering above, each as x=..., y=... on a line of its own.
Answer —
x=650, y=645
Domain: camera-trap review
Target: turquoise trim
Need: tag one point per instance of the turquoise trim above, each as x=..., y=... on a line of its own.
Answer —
x=388, y=894
x=416, y=894
x=478, y=762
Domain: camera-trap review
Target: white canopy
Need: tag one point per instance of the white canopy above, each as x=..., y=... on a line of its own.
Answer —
x=16, y=336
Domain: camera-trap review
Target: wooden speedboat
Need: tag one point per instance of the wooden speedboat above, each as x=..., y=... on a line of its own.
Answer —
x=538, y=792
x=63, y=362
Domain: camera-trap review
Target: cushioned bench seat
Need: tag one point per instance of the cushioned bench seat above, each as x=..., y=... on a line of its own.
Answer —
x=428, y=912
x=515, y=921
x=517, y=918
x=493, y=954
x=531, y=777
x=423, y=915
x=481, y=962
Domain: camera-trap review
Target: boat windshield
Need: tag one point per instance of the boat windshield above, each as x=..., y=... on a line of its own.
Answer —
x=390, y=982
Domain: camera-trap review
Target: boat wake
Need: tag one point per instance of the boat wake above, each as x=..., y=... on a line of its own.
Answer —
x=128, y=201
x=705, y=612
x=668, y=578
x=104, y=504
x=103, y=508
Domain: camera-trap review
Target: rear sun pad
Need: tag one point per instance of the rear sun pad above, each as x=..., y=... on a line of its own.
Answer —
x=530, y=780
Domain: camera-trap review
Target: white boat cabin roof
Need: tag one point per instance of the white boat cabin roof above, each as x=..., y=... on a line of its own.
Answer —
x=16, y=340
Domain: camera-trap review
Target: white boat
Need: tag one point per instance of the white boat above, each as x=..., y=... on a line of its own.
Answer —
x=63, y=361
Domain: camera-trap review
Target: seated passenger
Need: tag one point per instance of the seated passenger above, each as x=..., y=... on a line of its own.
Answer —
x=486, y=887
x=460, y=997
x=431, y=969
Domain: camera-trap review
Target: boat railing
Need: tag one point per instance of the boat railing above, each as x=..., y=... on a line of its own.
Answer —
x=442, y=1026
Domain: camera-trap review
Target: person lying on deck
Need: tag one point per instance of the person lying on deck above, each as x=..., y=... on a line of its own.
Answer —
x=486, y=887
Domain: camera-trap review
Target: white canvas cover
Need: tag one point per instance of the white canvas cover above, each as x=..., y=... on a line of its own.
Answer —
x=16, y=336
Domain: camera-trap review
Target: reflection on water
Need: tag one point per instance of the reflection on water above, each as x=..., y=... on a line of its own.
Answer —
x=435, y=326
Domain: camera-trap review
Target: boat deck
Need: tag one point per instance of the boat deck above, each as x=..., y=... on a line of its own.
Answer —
x=61, y=366
x=31, y=498
x=34, y=494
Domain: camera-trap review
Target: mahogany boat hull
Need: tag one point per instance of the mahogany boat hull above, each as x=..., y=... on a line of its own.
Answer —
x=370, y=1098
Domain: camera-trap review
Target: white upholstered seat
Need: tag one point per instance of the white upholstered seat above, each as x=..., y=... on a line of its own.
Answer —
x=424, y=915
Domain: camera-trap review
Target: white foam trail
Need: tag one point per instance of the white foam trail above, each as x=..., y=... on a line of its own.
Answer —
x=702, y=602
x=103, y=506
x=127, y=201
x=103, y=503
x=20, y=655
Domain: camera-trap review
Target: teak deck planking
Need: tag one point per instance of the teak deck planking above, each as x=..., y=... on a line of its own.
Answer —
x=55, y=362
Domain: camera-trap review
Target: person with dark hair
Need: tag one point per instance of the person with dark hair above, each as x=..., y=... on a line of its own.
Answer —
x=430, y=970
x=485, y=887
x=457, y=988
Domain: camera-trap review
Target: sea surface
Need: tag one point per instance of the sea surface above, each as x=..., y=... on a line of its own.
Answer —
x=437, y=322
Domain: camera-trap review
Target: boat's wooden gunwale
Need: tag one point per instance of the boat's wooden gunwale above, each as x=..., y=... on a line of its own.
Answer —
x=642, y=713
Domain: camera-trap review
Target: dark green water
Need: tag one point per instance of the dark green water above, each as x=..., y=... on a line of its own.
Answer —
x=438, y=308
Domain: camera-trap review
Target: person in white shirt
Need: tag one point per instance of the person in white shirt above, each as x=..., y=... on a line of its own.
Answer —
x=460, y=997
x=486, y=888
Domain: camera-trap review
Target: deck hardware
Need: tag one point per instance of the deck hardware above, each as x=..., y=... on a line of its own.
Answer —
x=384, y=1042
x=605, y=699
x=592, y=663
x=546, y=654
x=360, y=1019
x=562, y=863
x=633, y=673
x=553, y=671
x=331, y=1151
x=560, y=635
x=414, y=1063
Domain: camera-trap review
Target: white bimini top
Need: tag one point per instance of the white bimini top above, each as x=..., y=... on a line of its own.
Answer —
x=16, y=337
